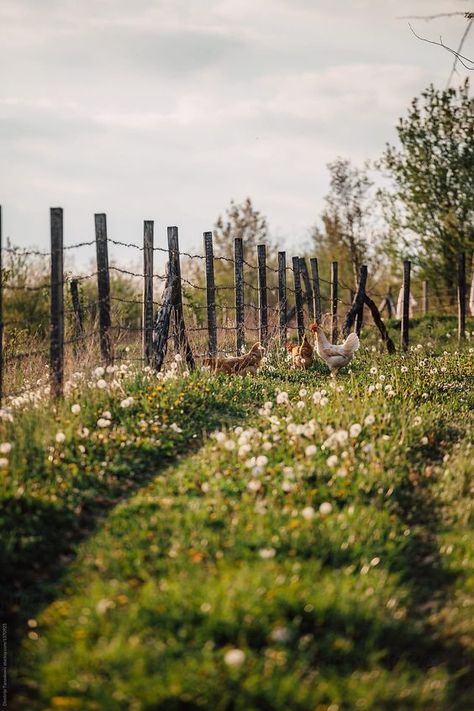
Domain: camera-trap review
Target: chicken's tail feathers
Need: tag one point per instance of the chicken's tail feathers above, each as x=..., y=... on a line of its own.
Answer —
x=351, y=344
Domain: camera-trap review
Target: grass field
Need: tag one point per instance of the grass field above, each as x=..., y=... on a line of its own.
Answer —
x=200, y=542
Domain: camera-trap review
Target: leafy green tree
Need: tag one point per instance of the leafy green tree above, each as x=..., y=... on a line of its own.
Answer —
x=349, y=222
x=431, y=204
x=240, y=220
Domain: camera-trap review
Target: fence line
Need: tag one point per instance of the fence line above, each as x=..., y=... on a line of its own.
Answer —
x=256, y=306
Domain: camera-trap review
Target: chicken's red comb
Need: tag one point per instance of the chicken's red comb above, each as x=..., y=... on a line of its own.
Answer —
x=313, y=328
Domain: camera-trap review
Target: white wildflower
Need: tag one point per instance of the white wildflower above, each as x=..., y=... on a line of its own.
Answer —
x=325, y=508
x=60, y=437
x=234, y=657
x=308, y=513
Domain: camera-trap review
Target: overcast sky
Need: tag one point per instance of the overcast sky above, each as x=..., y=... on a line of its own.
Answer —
x=167, y=109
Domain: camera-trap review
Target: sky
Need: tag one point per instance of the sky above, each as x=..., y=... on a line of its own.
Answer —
x=168, y=109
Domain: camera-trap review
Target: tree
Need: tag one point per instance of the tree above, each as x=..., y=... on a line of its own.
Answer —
x=347, y=218
x=432, y=173
x=240, y=220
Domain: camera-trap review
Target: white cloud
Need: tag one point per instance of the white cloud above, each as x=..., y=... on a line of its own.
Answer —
x=170, y=109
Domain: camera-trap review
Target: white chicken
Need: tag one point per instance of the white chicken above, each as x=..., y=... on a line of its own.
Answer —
x=336, y=356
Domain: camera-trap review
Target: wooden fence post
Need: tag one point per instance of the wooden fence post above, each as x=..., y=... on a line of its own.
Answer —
x=424, y=297
x=239, y=294
x=181, y=340
x=210, y=294
x=316, y=289
x=307, y=287
x=103, y=285
x=357, y=302
x=78, y=314
x=405, y=324
x=57, y=303
x=148, y=244
x=461, y=296
x=162, y=323
x=282, y=298
x=334, y=302
x=298, y=297
x=1, y=309
x=262, y=293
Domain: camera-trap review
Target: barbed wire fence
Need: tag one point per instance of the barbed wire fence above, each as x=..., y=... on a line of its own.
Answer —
x=296, y=297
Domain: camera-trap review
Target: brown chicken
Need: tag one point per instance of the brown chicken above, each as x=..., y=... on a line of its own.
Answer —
x=302, y=356
x=241, y=365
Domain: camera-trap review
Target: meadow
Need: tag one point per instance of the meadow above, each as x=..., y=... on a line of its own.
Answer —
x=191, y=541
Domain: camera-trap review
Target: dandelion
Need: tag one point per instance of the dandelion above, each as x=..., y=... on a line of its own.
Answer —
x=325, y=508
x=282, y=398
x=234, y=657
x=178, y=358
x=101, y=384
x=254, y=485
x=229, y=445
x=280, y=634
x=75, y=409
x=60, y=437
x=127, y=402
x=355, y=430
x=373, y=371
x=99, y=371
x=261, y=461
x=3, y=462
x=176, y=428
x=417, y=421
x=369, y=420
x=308, y=513
x=267, y=553
x=287, y=486
x=332, y=460
x=107, y=415
x=5, y=448
x=404, y=369
x=103, y=422
x=310, y=450
x=300, y=405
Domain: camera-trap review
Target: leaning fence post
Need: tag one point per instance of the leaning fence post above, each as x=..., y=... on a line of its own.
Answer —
x=333, y=302
x=316, y=289
x=298, y=297
x=424, y=297
x=308, y=297
x=57, y=303
x=103, y=285
x=461, y=296
x=148, y=230
x=210, y=294
x=262, y=293
x=78, y=313
x=405, y=325
x=282, y=299
x=239, y=294
x=1, y=309
x=181, y=340
x=357, y=301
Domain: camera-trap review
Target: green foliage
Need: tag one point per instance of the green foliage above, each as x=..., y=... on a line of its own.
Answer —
x=431, y=205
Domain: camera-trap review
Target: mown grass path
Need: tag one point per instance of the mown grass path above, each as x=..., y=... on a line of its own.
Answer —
x=318, y=556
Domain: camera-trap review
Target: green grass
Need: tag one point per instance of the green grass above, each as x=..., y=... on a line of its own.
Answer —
x=344, y=584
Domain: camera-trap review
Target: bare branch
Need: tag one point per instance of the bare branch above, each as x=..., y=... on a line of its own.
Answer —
x=458, y=52
x=460, y=57
x=467, y=15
